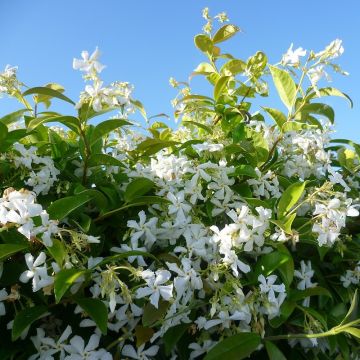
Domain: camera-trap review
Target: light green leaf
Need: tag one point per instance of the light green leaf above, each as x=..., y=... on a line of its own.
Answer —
x=49, y=92
x=204, y=68
x=64, y=279
x=13, y=117
x=61, y=208
x=197, y=124
x=25, y=318
x=220, y=86
x=97, y=310
x=233, y=67
x=290, y=197
x=285, y=86
x=352, y=310
x=203, y=43
x=235, y=347
x=225, y=33
x=278, y=116
x=71, y=122
x=353, y=331
x=330, y=91
x=7, y=250
x=319, y=109
x=152, y=146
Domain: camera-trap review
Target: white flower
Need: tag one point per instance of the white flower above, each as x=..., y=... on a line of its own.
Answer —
x=268, y=286
x=78, y=350
x=305, y=275
x=89, y=64
x=315, y=74
x=144, y=229
x=36, y=272
x=140, y=353
x=292, y=58
x=155, y=287
x=3, y=296
x=332, y=51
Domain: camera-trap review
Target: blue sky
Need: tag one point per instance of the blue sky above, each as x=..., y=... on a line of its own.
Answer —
x=146, y=42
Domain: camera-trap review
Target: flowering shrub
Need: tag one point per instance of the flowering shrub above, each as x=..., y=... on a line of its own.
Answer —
x=233, y=235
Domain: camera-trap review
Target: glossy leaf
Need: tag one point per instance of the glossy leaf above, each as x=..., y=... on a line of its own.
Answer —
x=220, y=86
x=104, y=159
x=64, y=279
x=7, y=250
x=225, y=33
x=97, y=310
x=273, y=351
x=290, y=197
x=152, y=314
x=61, y=208
x=138, y=187
x=25, y=318
x=203, y=43
x=285, y=86
x=106, y=127
x=278, y=116
x=235, y=347
x=49, y=92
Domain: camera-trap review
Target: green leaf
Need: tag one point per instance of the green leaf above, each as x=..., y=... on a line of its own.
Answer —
x=285, y=223
x=220, y=86
x=64, y=279
x=245, y=170
x=71, y=122
x=152, y=314
x=285, y=86
x=3, y=132
x=104, y=159
x=106, y=127
x=139, y=201
x=278, y=116
x=152, y=146
x=353, y=331
x=203, y=43
x=172, y=337
x=25, y=318
x=273, y=351
x=235, y=347
x=138, y=104
x=268, y=263
x=290, y=197
x=225, y=33
x=233, y=67
x=59, y=209
x=197, y=124
x=138, y=187
x=57, y=251
x=286, y=309
x=13, y=117
x=286, y=269
x=352, y=310
x=204, y=68
x=49, y=92
x=297, y=295
x=97, y=310
x=330, y=91
x=319, y=109
x=7, y=250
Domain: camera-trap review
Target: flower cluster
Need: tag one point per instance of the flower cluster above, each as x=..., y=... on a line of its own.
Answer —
x=175, y=243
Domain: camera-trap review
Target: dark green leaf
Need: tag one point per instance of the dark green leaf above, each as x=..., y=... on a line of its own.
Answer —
x=152, y=314
x=138, y=187
x=25, y=318
x=273, y=351
x=172, y=337
x=7, y=250
x=97, y=310
x=104, y=159
x=297, y=295
x=106, y=127
x=57, y=251
x=235, y=347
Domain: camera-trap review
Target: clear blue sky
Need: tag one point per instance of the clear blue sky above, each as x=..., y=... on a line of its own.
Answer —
x=146, y=42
